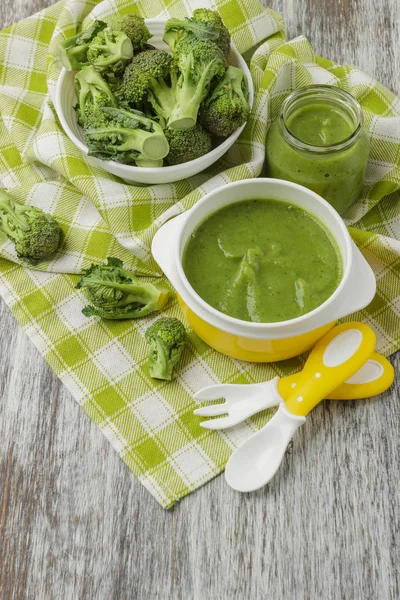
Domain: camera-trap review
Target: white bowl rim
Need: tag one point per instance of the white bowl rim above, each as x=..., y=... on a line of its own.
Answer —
x=231, y=322
x=128, y=171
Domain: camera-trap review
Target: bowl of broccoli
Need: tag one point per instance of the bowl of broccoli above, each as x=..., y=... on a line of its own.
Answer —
x=153, y=101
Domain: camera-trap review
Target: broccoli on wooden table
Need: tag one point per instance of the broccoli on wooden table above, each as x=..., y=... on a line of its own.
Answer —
x=115, y=293
x=166, y=338
x=36, y=234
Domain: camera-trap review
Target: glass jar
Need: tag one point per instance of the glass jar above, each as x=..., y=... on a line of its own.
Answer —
x=319, y=141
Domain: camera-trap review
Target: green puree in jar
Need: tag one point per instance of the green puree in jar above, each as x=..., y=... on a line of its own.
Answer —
x=319, y=125
x=319, y=141
x=262, y=261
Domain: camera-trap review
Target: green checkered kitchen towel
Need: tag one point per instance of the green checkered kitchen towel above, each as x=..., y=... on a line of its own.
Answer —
x=149, y=423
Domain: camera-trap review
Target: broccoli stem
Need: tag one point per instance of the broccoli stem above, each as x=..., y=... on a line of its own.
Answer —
x=148, y=163
x=117, y=51
x=190, y=94
x=73, y=51
x=162, y=97
x=12, y=219
x=140, y=294
x=160, y=367
x=237, y=88
x=73, y=58
x=140, y=298
x=153, y=145
x=89, y=84
x=184, y=115
x=166, y=338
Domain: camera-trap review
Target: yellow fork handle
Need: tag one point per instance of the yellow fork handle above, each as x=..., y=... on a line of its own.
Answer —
x=337, y=356
x=374, y=377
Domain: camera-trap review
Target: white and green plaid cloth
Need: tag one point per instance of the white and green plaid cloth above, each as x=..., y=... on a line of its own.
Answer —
x=149, y=423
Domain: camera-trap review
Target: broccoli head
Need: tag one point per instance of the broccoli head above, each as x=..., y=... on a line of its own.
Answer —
x=177, y=29
x=187, y=144
x=73, y=51
x=93, y=92
x=199, y=63
x=205, y=24
x=36, y=234
x=166, y=339
x=126, y=137
x=134, y=27
x=115, y=293
x=213, y=19
x=151, y=76
x=227, y=108
x=110, y=51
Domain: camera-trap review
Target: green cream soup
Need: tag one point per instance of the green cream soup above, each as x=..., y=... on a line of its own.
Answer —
x=262, y=261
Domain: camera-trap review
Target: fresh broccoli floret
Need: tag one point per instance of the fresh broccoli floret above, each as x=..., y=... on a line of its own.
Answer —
x=166, y=339
x=115, y=293
x=205, y=24
x=93, y=92
x=110, y=51
x=227, y=108
x=127, y=137
x=151, y=76
x=36, y=234
x=199, y=62
x=213, y=19
x=187, y=144
x=176, y=29
x=134, y=27
x=73, y=51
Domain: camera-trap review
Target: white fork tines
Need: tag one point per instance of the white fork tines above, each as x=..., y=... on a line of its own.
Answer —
x=241, y=402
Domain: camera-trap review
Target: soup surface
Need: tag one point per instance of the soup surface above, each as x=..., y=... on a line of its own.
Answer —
x=262, y=261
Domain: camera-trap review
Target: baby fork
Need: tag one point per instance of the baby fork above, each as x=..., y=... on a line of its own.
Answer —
x=335, y=358
x=244, y=400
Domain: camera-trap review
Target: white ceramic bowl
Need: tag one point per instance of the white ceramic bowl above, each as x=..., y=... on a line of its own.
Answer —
x=65, y=100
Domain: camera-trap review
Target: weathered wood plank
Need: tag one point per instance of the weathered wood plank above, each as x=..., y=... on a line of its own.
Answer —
x=326, y=527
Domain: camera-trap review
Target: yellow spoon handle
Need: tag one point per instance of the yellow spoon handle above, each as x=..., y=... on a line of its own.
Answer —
x=374, y=377
x=334, y=359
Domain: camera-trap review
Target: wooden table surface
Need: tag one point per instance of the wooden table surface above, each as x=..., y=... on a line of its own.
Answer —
x=74, y=522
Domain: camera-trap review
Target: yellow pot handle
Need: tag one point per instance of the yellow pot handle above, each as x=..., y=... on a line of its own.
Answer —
x=335, y=358
x=374, y=377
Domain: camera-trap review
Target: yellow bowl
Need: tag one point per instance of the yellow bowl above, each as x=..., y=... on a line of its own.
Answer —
x=263, y=342
x=250, y=349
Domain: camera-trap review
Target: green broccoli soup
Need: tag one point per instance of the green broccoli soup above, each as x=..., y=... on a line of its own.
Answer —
x=262, y=261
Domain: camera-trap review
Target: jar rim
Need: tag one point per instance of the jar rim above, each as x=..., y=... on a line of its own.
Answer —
x=345, y=99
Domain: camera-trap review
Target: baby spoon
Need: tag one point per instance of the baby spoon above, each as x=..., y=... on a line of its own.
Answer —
x=334, y=359
x=244, y=400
